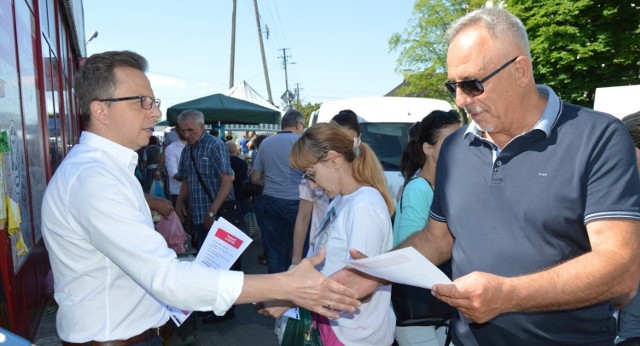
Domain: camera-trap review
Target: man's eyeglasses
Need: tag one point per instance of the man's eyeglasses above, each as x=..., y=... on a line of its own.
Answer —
x=146, y=102
x=474, y=87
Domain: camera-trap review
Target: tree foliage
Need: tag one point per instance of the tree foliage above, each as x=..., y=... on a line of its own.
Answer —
x=307, y=109
x=576, y=46
x=423, y=53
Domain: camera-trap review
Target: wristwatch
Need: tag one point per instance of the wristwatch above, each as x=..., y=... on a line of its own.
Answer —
x=212, y=214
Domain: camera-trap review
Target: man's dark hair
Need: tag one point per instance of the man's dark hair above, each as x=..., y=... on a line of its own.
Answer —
x=96, y=78
x=291, y=118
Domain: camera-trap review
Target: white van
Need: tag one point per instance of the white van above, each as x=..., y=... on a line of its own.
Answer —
x=618, y=101
x=384, y=123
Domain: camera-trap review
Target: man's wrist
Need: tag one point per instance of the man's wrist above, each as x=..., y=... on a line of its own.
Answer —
x=211, y=214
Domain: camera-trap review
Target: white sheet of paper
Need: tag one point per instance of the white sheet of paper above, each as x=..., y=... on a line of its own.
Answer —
x=292, y=313
x=405, y=266
x=221, y=248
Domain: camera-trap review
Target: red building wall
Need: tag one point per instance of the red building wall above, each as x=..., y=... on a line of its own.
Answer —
x=37, y=111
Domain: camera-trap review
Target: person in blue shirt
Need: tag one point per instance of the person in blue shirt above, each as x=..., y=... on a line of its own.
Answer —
x=536, y=202
x=244, y=150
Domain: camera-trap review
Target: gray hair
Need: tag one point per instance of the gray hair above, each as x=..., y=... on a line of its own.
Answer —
x=194, y=114
x=232, y=147
x=291, y=118
x=498, y=22
x=96, y=78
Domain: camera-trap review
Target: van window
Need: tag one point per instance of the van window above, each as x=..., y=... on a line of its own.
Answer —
x=387, y=140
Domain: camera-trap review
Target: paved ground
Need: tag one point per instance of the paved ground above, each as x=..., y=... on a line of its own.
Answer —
x=248, y=328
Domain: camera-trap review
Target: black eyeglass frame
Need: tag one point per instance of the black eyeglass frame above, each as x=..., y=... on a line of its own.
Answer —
x=308, y=177
x=474, y=87
x=312, y=177
x=142, y=98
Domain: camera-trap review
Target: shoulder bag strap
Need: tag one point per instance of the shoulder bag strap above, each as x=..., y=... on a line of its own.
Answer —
x=405, y=185
x=206, y=190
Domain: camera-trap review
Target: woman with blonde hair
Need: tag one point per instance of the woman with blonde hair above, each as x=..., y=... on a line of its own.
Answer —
x=348, y=172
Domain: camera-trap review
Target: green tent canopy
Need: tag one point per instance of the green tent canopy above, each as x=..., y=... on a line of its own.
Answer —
x=227, y=110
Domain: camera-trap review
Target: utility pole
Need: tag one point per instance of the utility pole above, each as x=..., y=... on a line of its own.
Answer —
x=298, y=94
x=284, y=63
x=233, y=44
x=264, y=60
x=287, y=97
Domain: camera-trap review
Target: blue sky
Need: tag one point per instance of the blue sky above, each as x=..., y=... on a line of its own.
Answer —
x=339, y=48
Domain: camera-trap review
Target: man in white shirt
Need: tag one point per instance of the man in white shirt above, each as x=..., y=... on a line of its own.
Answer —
x=171, y=160
x=113, y=272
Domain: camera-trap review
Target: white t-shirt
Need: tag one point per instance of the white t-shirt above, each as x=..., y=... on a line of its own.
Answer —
x=360, y=221
x=171, y=160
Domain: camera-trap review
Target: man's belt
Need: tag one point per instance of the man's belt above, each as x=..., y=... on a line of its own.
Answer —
x=144, y=336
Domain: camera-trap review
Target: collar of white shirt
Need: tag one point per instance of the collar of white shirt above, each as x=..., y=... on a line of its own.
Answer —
x=124, y=155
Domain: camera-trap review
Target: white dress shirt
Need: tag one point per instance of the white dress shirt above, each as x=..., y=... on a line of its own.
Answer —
x=113, y=272
x=171, y=160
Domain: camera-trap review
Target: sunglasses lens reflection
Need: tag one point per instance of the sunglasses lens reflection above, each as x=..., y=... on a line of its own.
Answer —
x=469, y=87
x=472, y=87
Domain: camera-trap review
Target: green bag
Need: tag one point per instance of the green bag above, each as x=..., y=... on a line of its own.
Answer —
x=301, y=332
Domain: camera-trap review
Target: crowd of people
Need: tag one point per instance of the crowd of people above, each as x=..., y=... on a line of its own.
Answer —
x=535, y=203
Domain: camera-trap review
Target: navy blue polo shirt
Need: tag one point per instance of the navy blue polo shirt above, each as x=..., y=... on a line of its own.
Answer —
x=524, y=208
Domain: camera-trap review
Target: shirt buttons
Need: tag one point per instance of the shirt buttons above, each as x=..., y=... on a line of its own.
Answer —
x=498, y=164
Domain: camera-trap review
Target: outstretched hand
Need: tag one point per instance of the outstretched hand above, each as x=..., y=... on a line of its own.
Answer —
x=315, y=292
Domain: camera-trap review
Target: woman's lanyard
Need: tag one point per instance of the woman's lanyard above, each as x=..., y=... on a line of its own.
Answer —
x=322, y=235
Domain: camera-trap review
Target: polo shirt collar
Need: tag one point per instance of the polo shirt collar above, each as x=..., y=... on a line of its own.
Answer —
x=551, y=111
x=204, y=133
x=545, y=123
x=124, y=155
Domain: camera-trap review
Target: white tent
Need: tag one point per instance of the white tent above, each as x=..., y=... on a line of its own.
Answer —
x=244, y=91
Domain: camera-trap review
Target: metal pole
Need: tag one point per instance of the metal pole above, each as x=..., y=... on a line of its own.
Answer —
x=233, y=45
x=284, y=62
x=264, y=60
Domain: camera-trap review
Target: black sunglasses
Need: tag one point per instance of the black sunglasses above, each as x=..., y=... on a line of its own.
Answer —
x=474, y=87
x=146, y=102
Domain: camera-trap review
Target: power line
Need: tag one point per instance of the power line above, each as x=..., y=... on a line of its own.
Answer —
x=187, y=78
